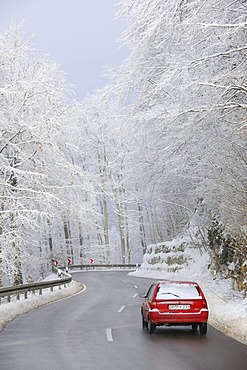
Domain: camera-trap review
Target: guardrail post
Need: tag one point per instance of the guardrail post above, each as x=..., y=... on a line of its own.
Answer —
x=40, y=291
x=9, y=298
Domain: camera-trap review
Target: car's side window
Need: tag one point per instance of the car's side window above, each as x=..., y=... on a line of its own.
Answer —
x=150, y=291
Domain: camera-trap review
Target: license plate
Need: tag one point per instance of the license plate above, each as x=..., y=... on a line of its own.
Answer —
x=179, y=306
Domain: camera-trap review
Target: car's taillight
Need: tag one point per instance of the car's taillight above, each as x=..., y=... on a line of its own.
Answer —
x=204, y=303
x=153, y=305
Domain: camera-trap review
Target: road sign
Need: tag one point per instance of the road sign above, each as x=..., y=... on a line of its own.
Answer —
x=69, y=261
x=55, y=263
x=91, y=260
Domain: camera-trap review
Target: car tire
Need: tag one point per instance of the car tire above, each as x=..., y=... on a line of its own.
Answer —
x=151, y=327
x=194, y=327
x=203, y=328
x=144, y=323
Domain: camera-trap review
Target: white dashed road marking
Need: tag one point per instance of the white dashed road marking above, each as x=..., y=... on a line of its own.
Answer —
x=109, y=335
x=135, y=295
x=121, y=309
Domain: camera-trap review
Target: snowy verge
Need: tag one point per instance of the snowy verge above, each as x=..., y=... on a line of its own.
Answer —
x=9, y=311
x=227, y=307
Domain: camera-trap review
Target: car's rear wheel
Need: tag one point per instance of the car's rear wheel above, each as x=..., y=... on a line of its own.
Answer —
x=144, y=323
x=203, y=328
x=151, y=327
x=194, y=327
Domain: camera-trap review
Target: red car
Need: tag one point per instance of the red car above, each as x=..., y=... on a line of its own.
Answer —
x=174, y=303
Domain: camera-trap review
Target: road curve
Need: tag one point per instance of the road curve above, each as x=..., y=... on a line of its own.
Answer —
x=100, y=329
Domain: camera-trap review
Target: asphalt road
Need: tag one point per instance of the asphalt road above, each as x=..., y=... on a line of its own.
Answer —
x=100, y=329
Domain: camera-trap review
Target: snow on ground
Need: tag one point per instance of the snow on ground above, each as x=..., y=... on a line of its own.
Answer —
x=9, y=311
x=227, y=307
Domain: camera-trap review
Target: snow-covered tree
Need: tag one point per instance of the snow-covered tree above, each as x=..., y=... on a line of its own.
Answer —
x=186, y=80
x=40, y=186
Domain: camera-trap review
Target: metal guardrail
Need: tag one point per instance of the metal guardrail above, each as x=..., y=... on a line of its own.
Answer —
x=39, y=287
x=106, y=266
x=33, y=287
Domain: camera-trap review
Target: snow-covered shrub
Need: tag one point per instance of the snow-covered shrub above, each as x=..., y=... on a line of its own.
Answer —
x=229, y=254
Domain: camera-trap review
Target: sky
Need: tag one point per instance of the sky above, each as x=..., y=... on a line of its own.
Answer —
x=81, y=36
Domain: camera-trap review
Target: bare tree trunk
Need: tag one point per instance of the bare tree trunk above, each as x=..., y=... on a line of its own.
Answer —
x=81, y=240
x=106, y=227
x=1, y=268
x=102, y=170
x=1, y=260
x=127, y=236
x=68, y=242
x=18, y=279
x=50, y=242
x=121, y=233
x=141, y=227
x=120, y=223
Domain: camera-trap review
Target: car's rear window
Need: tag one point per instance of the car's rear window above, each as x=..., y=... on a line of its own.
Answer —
x=171, y=291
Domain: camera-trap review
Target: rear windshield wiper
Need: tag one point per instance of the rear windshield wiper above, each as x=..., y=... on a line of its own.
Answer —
x=172, y=294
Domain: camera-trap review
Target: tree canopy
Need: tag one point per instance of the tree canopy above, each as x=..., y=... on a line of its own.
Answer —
x=161, y=149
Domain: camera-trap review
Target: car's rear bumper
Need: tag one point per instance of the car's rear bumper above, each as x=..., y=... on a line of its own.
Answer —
x=178, y=317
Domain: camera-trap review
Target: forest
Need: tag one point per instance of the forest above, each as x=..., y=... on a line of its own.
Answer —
x=158, y=151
